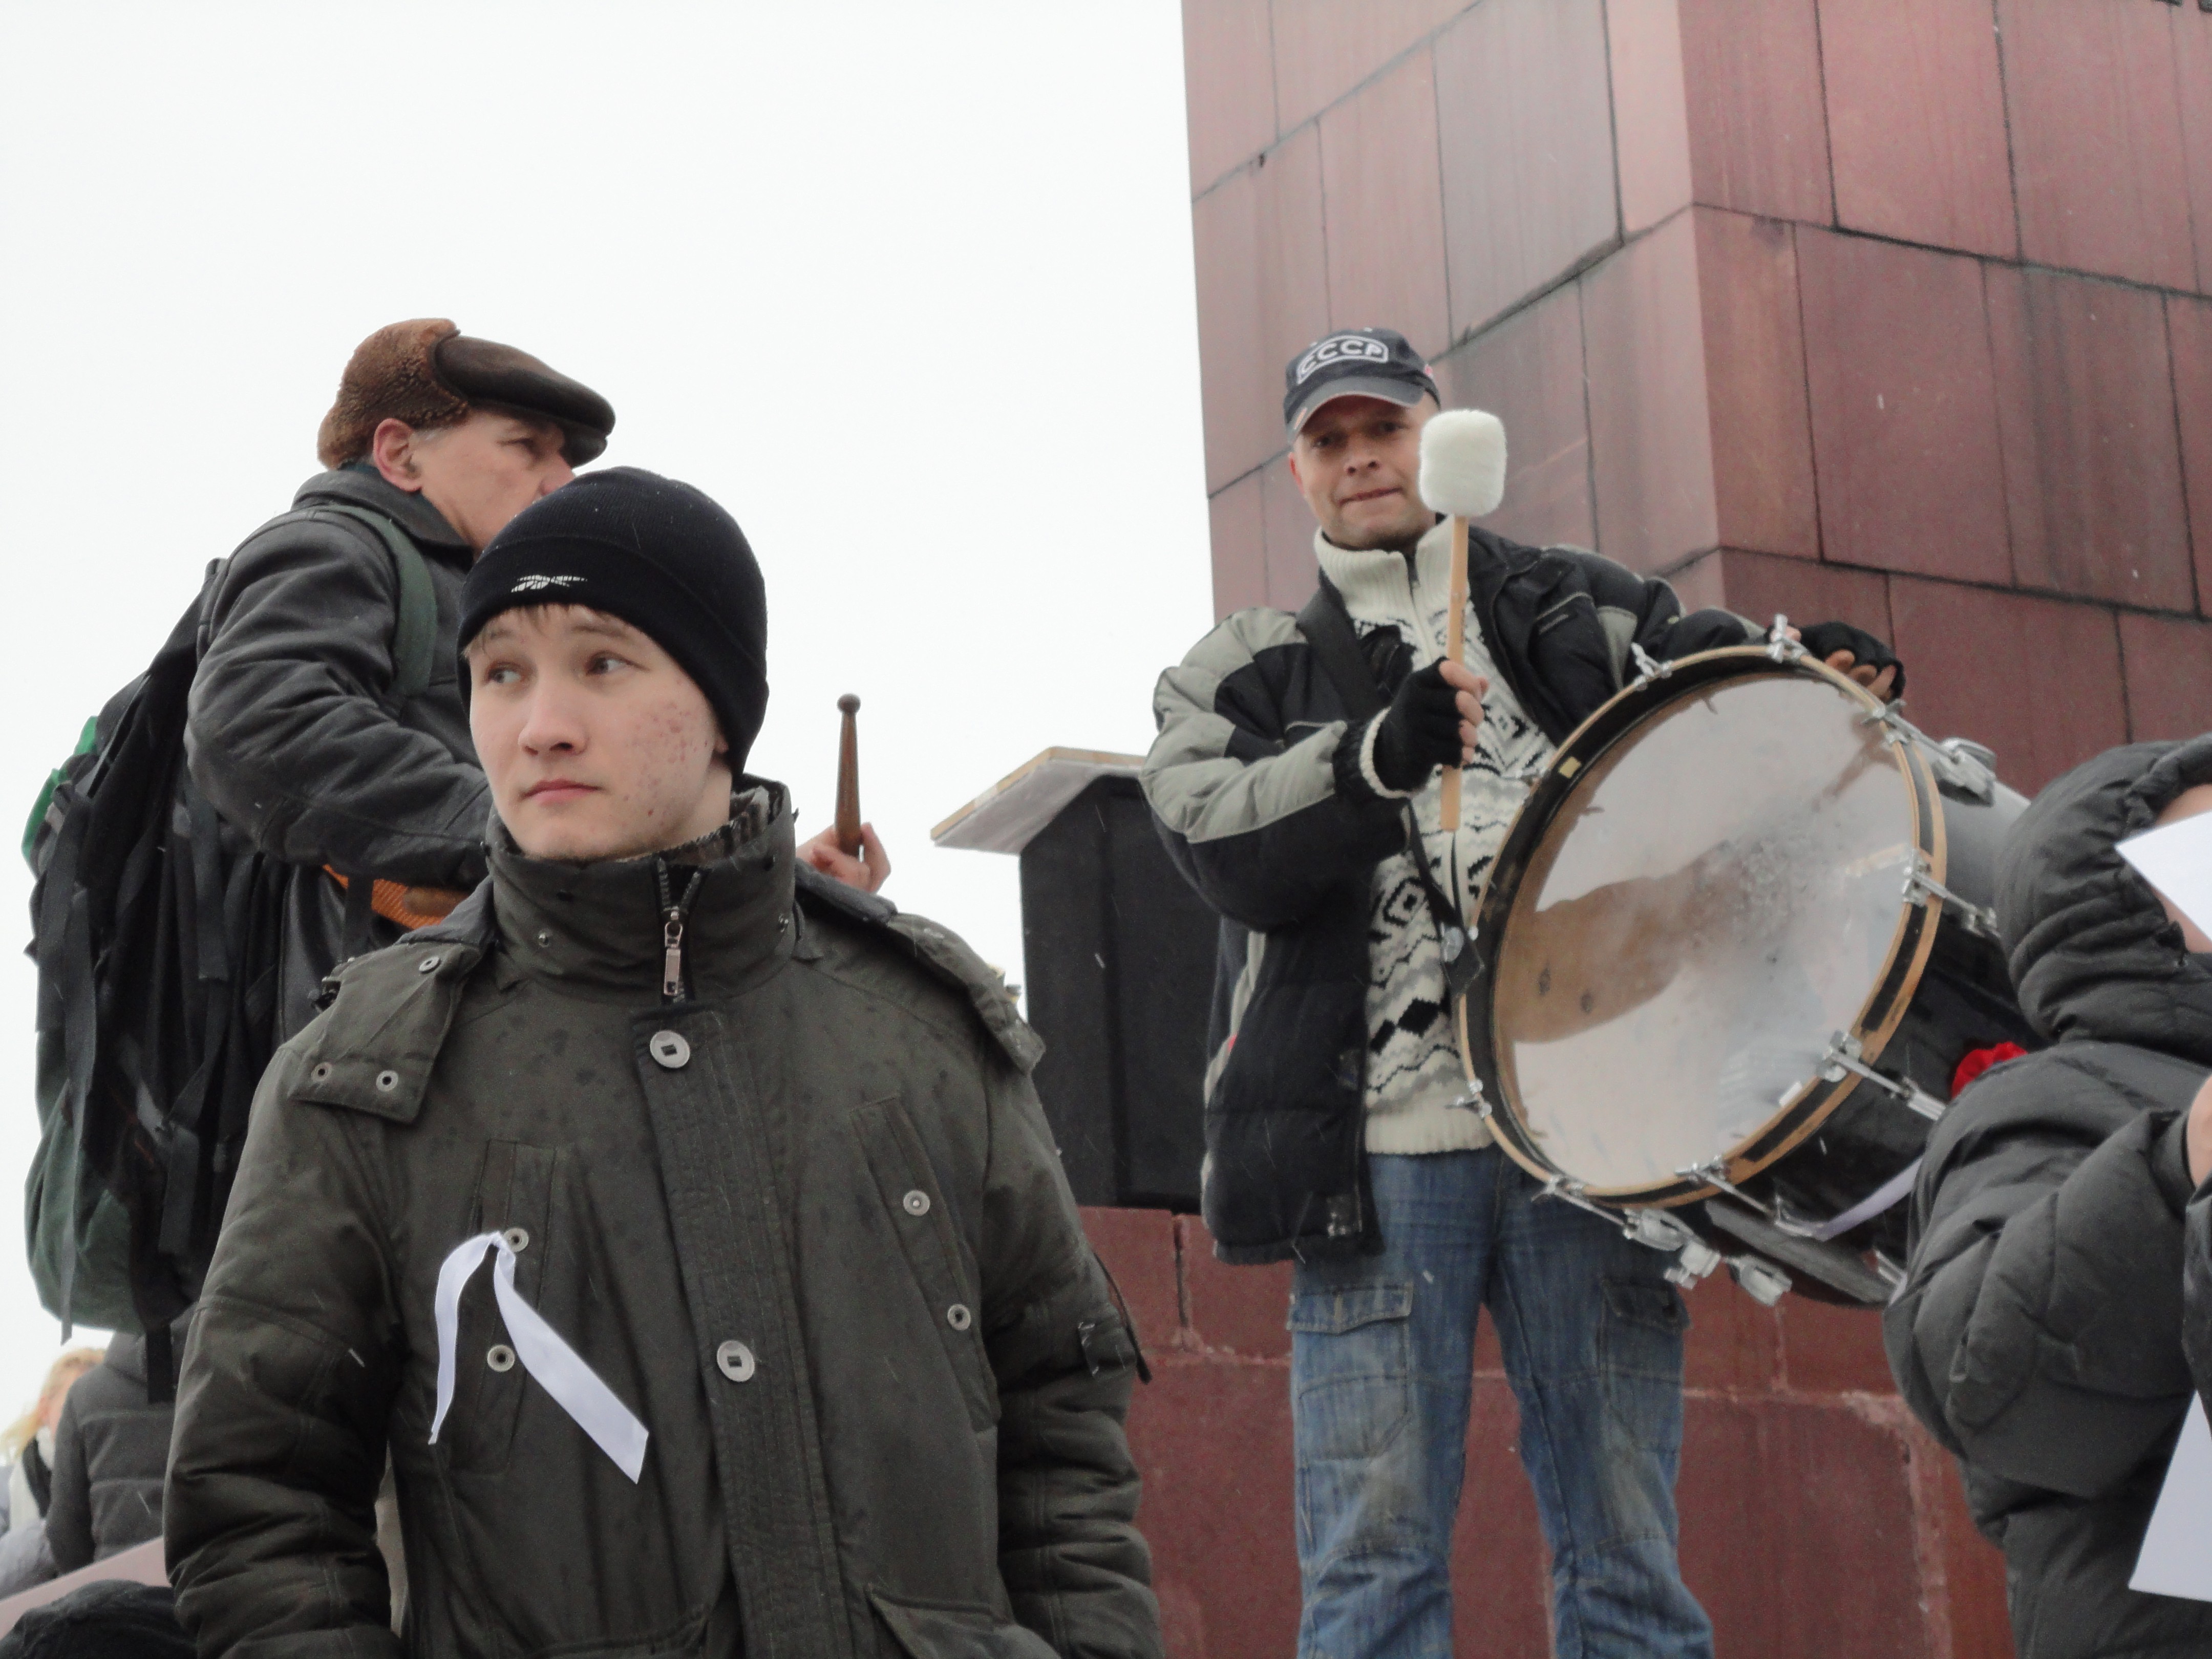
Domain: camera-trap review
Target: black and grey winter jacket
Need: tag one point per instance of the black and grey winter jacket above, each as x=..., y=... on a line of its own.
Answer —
x=1256, y=784
x=111, y=1451
x=2038, y=1332
x=297, y=737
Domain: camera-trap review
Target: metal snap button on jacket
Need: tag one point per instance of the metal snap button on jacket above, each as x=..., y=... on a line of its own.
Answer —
x=916, y=1202
x=735, y=1358
x=518, y=1239
x=429, y=964
x=670, y=1048
x=958, y=1317
x=499, y=1356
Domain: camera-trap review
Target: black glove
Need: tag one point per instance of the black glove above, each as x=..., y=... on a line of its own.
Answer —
x=1824, y=640
x=1420, y=731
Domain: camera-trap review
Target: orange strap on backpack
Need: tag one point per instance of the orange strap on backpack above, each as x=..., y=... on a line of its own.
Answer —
x=409, y=907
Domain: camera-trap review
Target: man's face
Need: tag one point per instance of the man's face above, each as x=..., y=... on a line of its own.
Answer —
x=597, y=744
x=1357, y=461
x=479, y=472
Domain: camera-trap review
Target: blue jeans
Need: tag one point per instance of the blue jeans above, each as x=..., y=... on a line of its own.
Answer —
x=1381, y=1374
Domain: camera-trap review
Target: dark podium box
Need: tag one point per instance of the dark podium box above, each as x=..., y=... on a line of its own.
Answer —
x=1119, y=955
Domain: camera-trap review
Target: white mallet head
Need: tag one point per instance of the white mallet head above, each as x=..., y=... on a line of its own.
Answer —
x=1463, y=463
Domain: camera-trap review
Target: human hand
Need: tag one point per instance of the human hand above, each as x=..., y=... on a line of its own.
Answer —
x=1855, y=652
x=868, y=872
x=2200, y=1135
x=1432, y=721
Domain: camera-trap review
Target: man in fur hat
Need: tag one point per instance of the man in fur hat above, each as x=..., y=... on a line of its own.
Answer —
x=327, y=722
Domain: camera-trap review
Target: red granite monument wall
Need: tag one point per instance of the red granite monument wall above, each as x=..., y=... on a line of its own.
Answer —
x=1898, y=311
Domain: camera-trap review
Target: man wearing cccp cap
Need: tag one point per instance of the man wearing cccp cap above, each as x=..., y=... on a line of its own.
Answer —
x=1341, y=1130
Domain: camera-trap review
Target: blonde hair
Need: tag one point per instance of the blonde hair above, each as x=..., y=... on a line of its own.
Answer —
x=59, y=1375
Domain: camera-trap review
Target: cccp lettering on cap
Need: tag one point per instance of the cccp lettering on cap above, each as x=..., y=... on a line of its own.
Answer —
x=1349, y=362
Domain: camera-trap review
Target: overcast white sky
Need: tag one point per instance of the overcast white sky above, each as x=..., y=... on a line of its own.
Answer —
x=907, y=288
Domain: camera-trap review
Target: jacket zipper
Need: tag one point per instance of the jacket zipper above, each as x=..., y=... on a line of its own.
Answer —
x=672, y=912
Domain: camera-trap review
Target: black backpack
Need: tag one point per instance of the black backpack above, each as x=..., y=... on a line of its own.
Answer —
x=156, y=931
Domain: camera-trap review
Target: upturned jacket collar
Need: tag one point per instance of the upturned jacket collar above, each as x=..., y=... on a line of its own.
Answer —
x=601, y=928
x=409, y=510
x=1375, y=582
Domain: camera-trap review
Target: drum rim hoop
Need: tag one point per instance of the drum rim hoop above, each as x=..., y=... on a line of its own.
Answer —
x=1912, y=943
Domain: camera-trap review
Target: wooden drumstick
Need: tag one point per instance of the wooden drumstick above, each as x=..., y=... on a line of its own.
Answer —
x=1462, y=476
x=1455, y=650
x=848, y=778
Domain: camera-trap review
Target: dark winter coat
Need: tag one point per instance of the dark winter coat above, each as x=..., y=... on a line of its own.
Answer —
x=297, y=737
x=2038, y=1332
x=1255, y=784
x=826, y=1253
x=111, y=1450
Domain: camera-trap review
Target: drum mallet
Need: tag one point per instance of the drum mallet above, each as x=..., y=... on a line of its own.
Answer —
x=1462, y=476
x=848, y=778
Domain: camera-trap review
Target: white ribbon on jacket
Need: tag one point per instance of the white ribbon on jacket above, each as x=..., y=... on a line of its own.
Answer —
x=575, y=1386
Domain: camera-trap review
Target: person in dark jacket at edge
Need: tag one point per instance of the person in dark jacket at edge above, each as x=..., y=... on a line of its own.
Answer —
x=110, y=1454
x=685, y=1221
x=2038, y=1331
x=298, y=734
x=111, y=1449
x=1340, y=1129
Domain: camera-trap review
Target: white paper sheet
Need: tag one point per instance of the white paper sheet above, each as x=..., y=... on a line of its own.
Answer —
x=2177, y=1549
x=2177, y=860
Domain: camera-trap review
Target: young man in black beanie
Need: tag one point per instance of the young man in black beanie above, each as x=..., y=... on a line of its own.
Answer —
x=790, y=1341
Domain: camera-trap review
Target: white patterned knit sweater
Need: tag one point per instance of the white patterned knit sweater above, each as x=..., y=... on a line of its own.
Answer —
x=1418, y=1099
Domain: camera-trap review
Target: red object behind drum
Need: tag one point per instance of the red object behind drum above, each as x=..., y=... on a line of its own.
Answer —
x=1979, y=1061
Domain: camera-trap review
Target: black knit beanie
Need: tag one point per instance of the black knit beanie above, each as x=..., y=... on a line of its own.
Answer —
x=657, y=554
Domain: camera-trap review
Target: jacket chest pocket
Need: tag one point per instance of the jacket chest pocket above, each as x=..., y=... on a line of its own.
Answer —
x=906, y=1184
x=514, y=1196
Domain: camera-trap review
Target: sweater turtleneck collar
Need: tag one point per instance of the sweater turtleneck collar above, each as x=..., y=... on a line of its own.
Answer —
x=1374, y=583
x=601, y=928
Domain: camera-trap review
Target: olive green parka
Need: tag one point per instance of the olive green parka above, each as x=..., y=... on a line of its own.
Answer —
x=805, y=1221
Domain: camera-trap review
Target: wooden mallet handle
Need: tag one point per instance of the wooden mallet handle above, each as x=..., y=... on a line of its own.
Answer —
x=1455, y=648
x=848, y=779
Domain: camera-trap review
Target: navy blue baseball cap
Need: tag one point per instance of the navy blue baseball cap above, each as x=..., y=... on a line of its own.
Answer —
x=1354, y=362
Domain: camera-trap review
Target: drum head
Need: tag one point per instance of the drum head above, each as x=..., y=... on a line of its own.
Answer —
x=1710, y=901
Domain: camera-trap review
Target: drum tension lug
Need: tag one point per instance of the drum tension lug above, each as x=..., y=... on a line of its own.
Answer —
x=1843, y=1058
x=1658, y=1231
x=1648, y=667
x=1779, y=645
x=1920, y=887
x=1761, y=1280
x=1715, y=1174
x=1472, y=1097
x=1570, y=1192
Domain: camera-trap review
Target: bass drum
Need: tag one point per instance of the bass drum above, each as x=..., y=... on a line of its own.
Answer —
x=1738, y=941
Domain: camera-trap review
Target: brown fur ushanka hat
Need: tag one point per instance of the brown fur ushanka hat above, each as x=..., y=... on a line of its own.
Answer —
x=428, y=373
